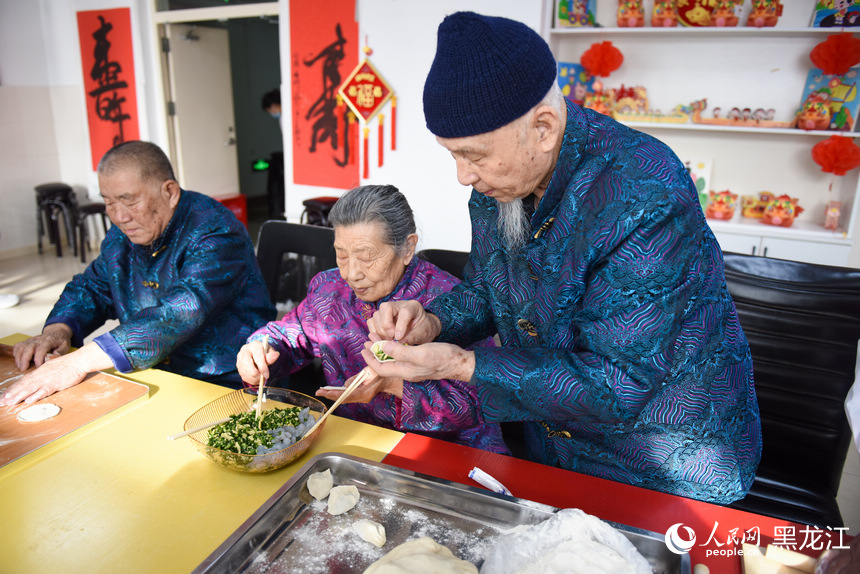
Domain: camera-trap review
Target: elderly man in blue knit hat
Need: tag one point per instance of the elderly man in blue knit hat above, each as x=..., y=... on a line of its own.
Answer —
x=591, y=259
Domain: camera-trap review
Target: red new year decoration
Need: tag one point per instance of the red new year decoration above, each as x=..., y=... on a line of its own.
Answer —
x=837, y=54
x=366, y=92
x=105, y=38
x=601, y=59
x=836, y=155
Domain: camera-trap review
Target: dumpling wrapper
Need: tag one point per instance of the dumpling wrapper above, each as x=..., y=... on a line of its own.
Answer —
x=38, y=413
x=342, y=499
x=421, y=556
x=320, y=483
x=380, y=355
x=370, y=531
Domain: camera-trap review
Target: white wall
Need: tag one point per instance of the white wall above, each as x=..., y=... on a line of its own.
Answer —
x=402, y=35
x=43, y=122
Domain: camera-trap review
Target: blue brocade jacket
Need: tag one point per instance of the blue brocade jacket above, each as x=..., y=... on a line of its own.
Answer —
x=185, y=304
x=620, y=344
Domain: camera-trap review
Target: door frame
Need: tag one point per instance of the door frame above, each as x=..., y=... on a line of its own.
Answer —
x=157, y=21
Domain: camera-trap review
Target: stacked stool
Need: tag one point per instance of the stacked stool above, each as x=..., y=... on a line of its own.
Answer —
x=52, y=201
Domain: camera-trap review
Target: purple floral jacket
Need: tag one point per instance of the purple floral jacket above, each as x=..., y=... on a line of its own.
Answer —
x=331, y=324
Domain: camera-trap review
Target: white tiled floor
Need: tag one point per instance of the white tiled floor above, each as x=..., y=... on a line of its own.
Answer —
x=39, y=280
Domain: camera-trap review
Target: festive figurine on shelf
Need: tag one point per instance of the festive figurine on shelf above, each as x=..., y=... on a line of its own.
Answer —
x=600, y=101
x=781, y=211
x=665, y=14
x=831, y=215
x=753, y=207
x=696, y=13
x=631, y=100
x=764, y=13
x=727, y=13
x=721, y=205
x=631, y=14
x=814, y=114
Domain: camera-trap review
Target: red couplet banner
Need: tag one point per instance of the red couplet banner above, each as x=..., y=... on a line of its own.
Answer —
x=109, y=85
x=324, y=49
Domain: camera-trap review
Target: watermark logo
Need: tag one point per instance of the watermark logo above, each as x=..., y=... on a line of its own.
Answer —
x=677, y=544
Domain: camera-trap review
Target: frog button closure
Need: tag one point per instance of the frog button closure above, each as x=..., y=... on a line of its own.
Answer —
x=527, y=326
x=152, y=284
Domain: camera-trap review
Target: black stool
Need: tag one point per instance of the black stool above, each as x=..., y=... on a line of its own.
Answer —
x=84, y=212
x=53, y=200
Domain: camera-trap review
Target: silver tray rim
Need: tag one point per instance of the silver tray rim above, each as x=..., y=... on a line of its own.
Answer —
x=299, y=475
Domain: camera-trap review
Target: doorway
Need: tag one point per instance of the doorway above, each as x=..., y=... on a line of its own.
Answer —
x=216, y=146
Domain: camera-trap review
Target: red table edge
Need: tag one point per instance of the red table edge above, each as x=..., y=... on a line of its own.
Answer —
x=622, y=503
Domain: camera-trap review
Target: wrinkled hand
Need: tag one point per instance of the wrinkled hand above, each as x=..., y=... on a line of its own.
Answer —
x=54, y=375
x=840, y=561
x=368, y=389
x=56, y=339
x=427, y=362
x=252, y=363
x=404, y=321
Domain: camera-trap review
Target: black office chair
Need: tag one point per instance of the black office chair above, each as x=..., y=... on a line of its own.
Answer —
x=451, y=261
x=290, y=254
x=803, y=323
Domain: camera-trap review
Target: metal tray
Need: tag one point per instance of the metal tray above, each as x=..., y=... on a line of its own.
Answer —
x=292, y=532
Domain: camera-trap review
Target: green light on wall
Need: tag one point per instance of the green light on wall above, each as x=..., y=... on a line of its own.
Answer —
x=260, y=165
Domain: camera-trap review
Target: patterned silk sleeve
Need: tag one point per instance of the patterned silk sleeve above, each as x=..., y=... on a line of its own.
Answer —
x=85, y=303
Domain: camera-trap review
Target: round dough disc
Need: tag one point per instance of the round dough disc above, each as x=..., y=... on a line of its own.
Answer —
x=38, y=413
x=421, y=556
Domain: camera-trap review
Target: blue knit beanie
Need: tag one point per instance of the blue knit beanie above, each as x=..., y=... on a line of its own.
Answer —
x=488, y=71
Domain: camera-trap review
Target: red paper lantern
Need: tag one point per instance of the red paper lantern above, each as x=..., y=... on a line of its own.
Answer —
x=836, y=155
x=601, y=59
x=837, y=54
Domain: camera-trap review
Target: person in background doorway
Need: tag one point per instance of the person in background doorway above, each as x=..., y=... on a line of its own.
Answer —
x=177, y=269
x=275, y=185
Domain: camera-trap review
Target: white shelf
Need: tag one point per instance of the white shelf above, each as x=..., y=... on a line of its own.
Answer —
x=800, y=230
x=703, y=31
x=738, y=129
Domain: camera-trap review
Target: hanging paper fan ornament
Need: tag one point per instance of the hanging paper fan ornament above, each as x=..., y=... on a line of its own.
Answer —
x=601, y=59
x=837, y=54
x=366, y=92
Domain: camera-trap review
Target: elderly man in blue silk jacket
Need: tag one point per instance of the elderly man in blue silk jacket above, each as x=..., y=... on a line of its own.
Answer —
x=591, y=259
x=177, y=269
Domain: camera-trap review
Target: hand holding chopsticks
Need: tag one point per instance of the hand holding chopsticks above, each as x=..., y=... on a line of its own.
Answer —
x=365, y=374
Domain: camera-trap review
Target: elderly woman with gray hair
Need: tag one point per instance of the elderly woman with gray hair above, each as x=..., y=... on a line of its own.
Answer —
x=375, y=243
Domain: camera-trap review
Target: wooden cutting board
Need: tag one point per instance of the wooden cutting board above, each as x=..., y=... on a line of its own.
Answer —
x=96, y=396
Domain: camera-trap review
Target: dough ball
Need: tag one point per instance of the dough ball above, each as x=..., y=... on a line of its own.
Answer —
x=569, y=542
x=342, y=498
x=319, y=484
x=421, y=556
x=370, y=531
x=38, y=413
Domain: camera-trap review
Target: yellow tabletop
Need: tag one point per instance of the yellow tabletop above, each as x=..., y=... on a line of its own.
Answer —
x=117, y=496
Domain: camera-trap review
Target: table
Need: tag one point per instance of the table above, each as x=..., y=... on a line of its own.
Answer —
x=115, y=495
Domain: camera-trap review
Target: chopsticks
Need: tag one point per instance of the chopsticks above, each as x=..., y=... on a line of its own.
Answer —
x=260, y=395
x=195, y=429
x=362, y=376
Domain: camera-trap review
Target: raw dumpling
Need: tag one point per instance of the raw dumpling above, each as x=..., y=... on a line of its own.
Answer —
x=342, y=499
x=370, y=531
x=421, y=556
x=38, y=413
x=319, y=484
x=377, y=351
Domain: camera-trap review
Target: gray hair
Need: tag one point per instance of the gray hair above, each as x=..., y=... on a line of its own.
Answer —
x=553, y=98
x=382, y=204
x=147, y=158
